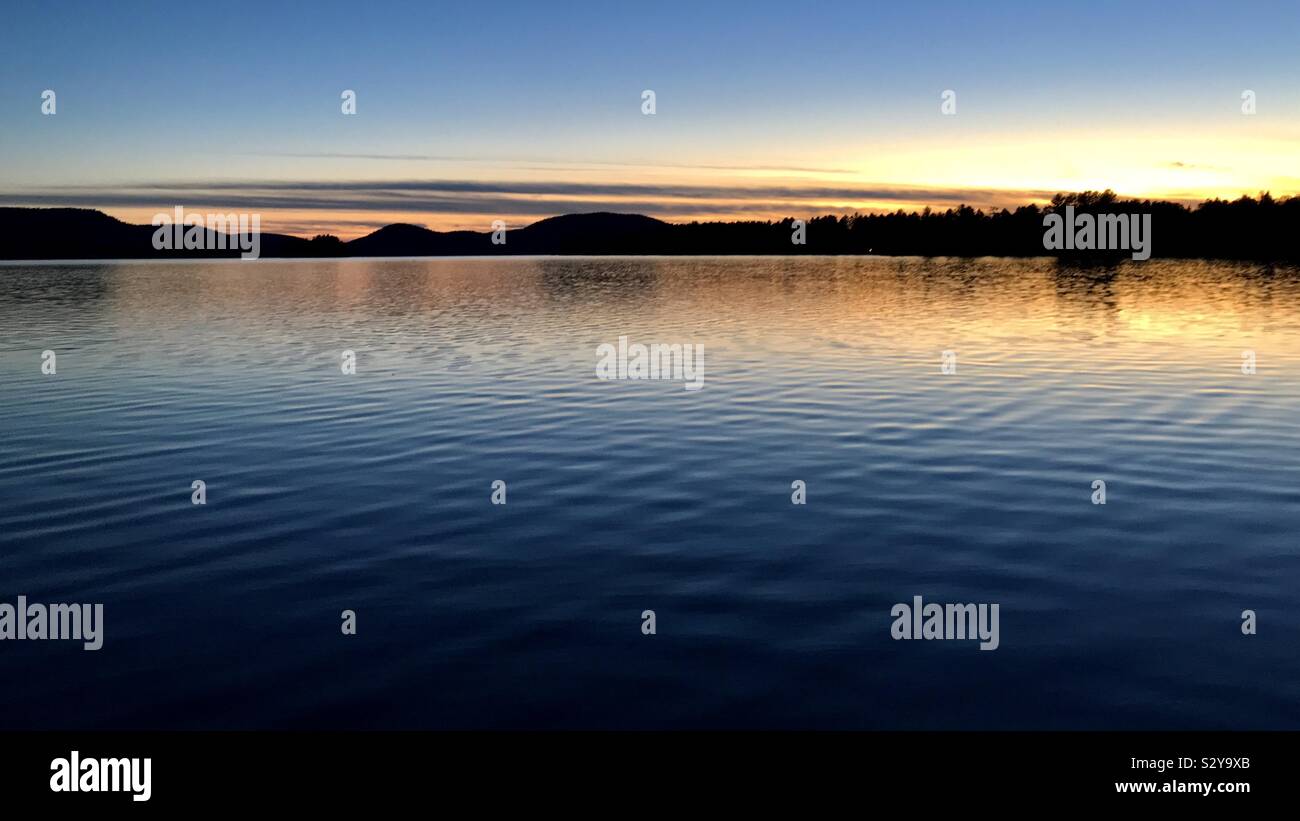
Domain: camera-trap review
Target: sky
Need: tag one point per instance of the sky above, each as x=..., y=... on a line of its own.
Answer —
x=468, y=113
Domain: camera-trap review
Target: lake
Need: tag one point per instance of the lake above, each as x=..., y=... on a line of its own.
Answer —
x=966, y=479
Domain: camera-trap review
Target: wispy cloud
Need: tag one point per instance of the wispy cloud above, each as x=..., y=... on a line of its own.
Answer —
x=554, y=164
x=515, y=197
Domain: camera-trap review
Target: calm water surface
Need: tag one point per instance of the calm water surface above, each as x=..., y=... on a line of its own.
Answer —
x=371, y=492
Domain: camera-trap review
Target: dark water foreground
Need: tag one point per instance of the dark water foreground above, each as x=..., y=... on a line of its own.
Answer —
x=371, y=492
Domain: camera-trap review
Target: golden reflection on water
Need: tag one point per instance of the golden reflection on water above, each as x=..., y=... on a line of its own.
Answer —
x=990, y=309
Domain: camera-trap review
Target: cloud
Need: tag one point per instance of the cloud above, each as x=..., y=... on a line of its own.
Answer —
x=556, y=164
x=1196, y=166
x=510, y=197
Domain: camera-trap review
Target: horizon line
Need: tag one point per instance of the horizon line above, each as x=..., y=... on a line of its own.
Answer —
x=310, y=234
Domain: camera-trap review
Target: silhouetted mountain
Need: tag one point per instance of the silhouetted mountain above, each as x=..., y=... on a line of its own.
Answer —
x=404, y=240
x=1246, y=228
x=599, y=233
x=82, y=233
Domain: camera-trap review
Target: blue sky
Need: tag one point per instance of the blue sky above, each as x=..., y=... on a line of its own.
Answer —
x=749, y=94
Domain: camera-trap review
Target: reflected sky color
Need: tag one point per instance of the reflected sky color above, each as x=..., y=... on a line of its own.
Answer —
x=763, y=109
x=371, y=491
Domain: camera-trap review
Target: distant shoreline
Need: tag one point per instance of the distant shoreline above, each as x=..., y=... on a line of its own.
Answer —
x=1100, y=262
x=1256, y=229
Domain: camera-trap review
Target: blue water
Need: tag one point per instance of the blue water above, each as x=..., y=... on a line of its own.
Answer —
x=371, y=492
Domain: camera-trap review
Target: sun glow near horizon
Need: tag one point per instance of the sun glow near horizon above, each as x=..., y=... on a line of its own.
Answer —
x=350, y=196
x=985, y=187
